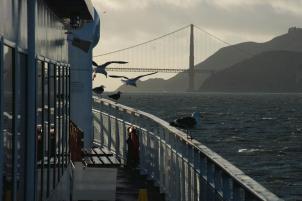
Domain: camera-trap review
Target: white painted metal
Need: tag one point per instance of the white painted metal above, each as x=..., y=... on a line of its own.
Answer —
x=184, y=169
x=80, y=78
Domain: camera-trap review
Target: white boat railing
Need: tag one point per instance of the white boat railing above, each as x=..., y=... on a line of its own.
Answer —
x=184, y=169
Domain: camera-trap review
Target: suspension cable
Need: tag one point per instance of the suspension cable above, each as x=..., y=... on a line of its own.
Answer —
x=140, y=44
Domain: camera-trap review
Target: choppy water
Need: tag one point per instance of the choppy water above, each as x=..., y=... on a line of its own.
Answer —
x=259, y=133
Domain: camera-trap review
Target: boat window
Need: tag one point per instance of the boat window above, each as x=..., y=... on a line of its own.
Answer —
x=8, y=115
x=68, y=109
x=52, y=140
x=39, y=130
x=65, y=115
x=58, y=125
x=45, y=132
x=21, y=126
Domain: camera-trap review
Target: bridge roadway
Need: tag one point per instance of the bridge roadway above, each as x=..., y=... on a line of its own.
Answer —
x=161, y=70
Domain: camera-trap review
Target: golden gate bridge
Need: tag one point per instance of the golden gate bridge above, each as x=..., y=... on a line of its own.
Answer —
x=180, y=51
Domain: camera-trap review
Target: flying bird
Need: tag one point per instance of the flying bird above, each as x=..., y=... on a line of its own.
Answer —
x=188, y=123
x=115, y=96
x=130, y=81
x=102, y=68
x=99, y=90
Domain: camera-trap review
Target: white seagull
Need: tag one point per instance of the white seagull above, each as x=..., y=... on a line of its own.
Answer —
x=102, y=68
x=130, y=81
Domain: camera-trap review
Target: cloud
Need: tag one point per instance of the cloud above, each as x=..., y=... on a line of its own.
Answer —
x=145, y=19
x=292, y=7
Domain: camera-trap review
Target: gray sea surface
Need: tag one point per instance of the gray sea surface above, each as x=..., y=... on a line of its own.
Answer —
x=259, y=133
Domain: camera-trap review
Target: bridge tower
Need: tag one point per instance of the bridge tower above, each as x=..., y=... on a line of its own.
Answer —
x=191, y=73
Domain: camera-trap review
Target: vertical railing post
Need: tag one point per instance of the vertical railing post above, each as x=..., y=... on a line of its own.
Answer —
x=101, y=129
x=172, y=169
x=237, y=193
x=203, y=179
x=196, y=174
x=177, y=176
x=157, y=159
x=226, y=187
x=125, y=138
x=162, y=161
x=210, y=181
x=148, y=150
x=217, y=181
x=109, y=129
x=120, y=132
x=183, y=171
x=117, y=136
x=189, y=171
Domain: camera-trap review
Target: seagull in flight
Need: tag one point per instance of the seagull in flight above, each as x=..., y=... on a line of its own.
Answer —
x=102, y=68
x=130, y=81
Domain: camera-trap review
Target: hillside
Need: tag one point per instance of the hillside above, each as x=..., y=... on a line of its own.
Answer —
x=274, y=71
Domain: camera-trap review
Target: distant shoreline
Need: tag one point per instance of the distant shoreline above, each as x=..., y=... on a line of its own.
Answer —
x=213, y=93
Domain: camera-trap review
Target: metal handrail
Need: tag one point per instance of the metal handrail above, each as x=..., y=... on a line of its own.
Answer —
x=254, y=190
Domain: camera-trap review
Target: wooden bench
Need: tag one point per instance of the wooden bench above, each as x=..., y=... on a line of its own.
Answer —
x=99, y=158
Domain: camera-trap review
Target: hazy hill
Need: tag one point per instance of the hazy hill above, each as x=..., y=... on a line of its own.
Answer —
x=274, y=71
x=222, y=59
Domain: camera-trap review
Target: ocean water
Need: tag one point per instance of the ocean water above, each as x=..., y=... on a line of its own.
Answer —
x=259, y=133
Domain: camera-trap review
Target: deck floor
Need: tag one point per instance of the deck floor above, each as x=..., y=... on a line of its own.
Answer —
x=129, y=183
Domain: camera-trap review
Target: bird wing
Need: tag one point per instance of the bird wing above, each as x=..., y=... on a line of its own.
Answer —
x=138, y=77
x=118, y=76
x=94, y=63
x=114, y=62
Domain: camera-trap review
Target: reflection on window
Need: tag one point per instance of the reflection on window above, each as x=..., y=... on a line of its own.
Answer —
x=21, y=128
x=52, y=139
x=39, y=130
x=52, y=126
x=8, y=121
x=45, y=131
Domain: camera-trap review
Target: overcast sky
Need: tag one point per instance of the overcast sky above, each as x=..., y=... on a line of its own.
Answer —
x=128, y=22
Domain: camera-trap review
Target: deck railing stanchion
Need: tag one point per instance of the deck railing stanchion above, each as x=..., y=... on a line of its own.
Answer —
x=109, y=132
x=217, y=181
x=117, y=135
x=161, y=161
x=125, y=138
x=189, y=172
x=226, y=187
x=237, y=193
x=101, y=130
x=183, y=173
x=196, y=173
